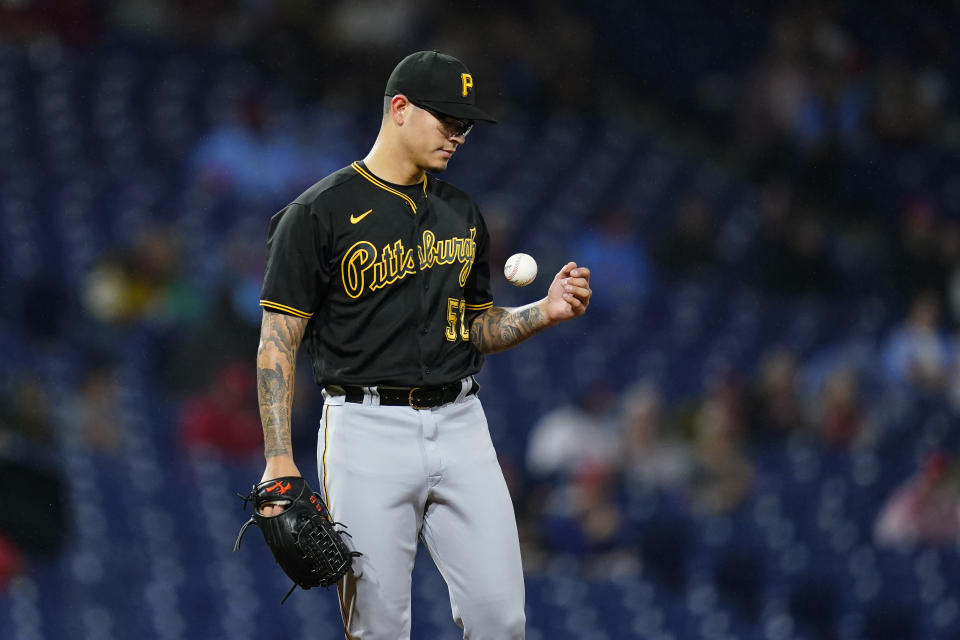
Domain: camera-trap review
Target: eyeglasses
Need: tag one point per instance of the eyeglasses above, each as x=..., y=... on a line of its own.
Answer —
x=449, y=126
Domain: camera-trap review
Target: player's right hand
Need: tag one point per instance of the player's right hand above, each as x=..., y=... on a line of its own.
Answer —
x=569, y=293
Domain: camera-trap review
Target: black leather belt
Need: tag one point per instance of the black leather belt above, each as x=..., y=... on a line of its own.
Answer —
x=415, y=397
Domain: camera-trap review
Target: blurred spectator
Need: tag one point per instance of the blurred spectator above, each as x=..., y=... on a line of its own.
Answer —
x=908, y=104
x=953, y=374
x=917, y=352
x=259, y=155
x=243, y=265
x=75, y=23
x=501, y=222
x=570, y=435
x=33, y=520
x=689, y=247
x=564, y=33
x=924, y=510
x=721, y=474
x=805, y=103
x=231, y=328
x=307, y=50
x=25, y=415
x=143, y=19
x=789, y=253
x=815, y=92
x=950, y=243
x=95, y=409
x=220, y=24
x=653, y=458
x=832, y=118
x=774, y=91
x=777, y=199
x=582, y=517
x=11, y=561
x=519, y=50
x=143, y=283
x=774, y=407
x=224, y=418
x=373, y=23
x=199, y=352
x=824, y=98
x=839, y=413
x=224, y=23
x=794, y=258
x=917, y=252
x=619, y=265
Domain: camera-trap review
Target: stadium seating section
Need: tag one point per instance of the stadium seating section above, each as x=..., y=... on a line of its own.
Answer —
x=94, y=147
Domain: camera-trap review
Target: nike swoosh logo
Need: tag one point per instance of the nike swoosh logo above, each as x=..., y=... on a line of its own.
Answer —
x=355, y=219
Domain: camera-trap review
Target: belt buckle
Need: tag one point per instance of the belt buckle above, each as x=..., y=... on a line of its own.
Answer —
x=411, y=401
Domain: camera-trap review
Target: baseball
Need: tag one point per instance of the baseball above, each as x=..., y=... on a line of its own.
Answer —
x=520, y=269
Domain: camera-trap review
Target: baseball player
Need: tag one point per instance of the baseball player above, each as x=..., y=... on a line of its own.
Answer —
x=381, y=271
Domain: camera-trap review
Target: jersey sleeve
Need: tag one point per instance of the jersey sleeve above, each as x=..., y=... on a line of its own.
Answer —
x=294, y=280
x=477, y=293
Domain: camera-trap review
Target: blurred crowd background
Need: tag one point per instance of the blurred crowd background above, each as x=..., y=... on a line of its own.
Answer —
x=752, y=434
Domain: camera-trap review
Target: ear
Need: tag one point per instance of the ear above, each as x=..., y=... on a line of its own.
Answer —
x=399, y=107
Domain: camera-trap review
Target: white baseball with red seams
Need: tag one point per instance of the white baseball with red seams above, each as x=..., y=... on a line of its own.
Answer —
x=520, y=269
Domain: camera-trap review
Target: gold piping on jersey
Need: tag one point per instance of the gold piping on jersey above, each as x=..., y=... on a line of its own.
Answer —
x=479, y=307
x=372, y=178
x=282, y=307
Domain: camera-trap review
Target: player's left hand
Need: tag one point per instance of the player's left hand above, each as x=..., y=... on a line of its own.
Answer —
x=569, y=293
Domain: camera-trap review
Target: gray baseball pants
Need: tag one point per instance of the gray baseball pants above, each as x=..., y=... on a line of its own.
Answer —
x=396, y=475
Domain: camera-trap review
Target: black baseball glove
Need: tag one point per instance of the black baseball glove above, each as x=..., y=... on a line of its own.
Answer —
x=302, y=537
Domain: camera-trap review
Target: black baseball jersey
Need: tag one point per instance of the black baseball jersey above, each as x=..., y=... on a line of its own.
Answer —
x=386, y=274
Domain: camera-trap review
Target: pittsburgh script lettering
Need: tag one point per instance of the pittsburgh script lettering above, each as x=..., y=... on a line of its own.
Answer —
x=363, y=268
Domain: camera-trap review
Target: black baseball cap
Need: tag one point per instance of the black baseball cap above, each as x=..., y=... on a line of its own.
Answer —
x=437, y=81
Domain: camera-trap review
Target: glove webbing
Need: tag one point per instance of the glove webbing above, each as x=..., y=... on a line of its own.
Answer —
x=318, y=545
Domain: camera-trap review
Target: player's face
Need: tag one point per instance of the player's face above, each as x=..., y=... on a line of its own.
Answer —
x=435, y=137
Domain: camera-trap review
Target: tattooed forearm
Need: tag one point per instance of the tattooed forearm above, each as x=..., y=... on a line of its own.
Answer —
x=498, y=328
x=273, y=391
x=280, y=337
